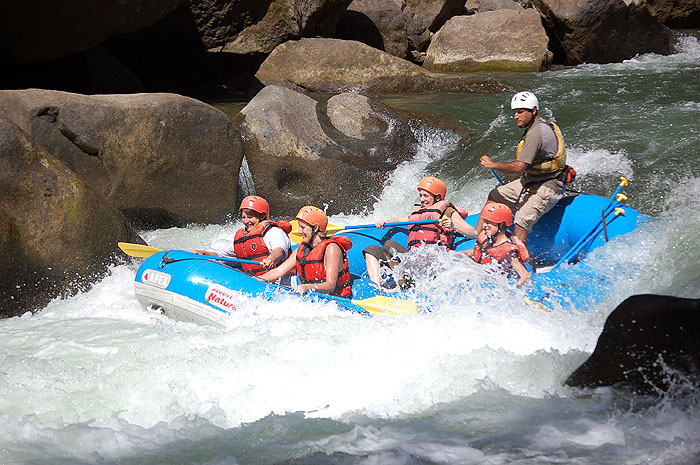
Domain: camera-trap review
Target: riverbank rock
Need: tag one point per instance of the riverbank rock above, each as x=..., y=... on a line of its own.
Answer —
x=502, y=40
x=56, y=234
x=601, y=31
x=35, y=31
x=332, y=66
x=335, y=154
x=676, y=13
x=396, y=26
x=648, y=342
x=252, y=26
x=162, y=159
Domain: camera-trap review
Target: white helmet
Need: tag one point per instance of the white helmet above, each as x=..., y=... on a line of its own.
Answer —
x=524, y=100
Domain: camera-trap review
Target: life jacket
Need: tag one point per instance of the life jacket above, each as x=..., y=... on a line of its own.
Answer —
x=550, y=167
x=251, y=246
x=310, y=267
x=485, y=250
x=434, y=233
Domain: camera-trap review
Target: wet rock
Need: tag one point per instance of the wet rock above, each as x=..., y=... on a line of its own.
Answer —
x=333, y=154
x=331, y=66
x=648, y=342
x=254, y=26
x=34, y=31
x=162, y=159
x=56, y=234
x=676, y=13
x=503, y=40
x=601, y=31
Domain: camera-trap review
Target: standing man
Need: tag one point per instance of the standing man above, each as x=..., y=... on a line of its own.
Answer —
x=541, y=157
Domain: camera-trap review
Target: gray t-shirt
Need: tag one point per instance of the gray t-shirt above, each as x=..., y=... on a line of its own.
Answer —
x=540, y=145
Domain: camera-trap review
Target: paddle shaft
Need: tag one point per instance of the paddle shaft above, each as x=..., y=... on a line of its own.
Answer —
x=391, y=225
x=495, y=175
x=144, y=251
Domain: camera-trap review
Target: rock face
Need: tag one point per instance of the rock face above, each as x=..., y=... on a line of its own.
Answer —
x=331, y=66
x=255, y=26
x=162, y=159
x=333, y=155
x=601, y=31
x=646, y=340
x=503, y=40
x=56, y=234
x=676, y=13
x=396, y=26
x=29, y=29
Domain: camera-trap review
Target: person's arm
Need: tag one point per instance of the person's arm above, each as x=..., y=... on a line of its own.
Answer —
x=515, y=166
x=333, y=263
x=285, y=268
x=520, y=269
x=204, y=252
x=462, y=226
x=398, y=219
x=279, y=245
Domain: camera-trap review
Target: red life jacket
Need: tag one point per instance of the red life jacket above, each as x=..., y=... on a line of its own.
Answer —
x=251, y=246
x=422, y=234
x=310, y=265
x=485, y=250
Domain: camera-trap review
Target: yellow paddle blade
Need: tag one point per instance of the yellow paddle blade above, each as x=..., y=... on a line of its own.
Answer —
x=295, y=235
x=137, y=250
x=382, y=305
x=537, y=305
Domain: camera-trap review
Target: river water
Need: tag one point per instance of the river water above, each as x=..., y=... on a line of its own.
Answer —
x=97, y=379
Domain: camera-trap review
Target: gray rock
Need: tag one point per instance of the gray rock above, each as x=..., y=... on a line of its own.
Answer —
x=161, y=159
x=57, y=234
x=648, y=342
x=676, y=13
x=601, y=31
x=331, y=66
x=493, y=5
x=503, y=40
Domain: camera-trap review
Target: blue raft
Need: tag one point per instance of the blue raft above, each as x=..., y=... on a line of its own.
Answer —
x=200, y=289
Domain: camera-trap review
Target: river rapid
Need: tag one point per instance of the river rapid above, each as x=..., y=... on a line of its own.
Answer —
x=97, y=379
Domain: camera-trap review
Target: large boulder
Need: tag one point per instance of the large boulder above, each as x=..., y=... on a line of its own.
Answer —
x=601, y=31
x=56, y=234
x=396, y=26
x=255, y=26
x=676, y=13
x=333, y=66
x=333, y=154
x=34, y=30
x=503, y=40
x=648, y=342
x=162, y=159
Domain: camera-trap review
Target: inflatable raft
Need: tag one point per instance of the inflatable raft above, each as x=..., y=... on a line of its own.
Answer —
x=205, y=290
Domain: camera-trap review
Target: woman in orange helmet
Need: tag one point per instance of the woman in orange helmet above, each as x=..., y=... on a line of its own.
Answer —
x=259, y=239
x=431, y=193
x=321, y=262
x=495, y=243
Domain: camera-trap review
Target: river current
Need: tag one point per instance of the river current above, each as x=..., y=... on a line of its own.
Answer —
x=97, y=379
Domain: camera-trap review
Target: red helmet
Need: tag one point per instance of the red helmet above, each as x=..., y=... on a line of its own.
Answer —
x=497, y=213
x=257, y=204
x=313, y=216
x=433, y=186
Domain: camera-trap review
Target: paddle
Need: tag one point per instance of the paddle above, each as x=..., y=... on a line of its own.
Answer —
x=495, y=175
x=377, y=305
x=333, y=229
x=143, y=251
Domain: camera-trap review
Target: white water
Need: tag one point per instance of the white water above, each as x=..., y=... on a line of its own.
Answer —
x=97, y=379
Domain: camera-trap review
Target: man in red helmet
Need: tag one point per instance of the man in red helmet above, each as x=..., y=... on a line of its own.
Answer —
x=541, y=158
x=259, y=239
x=431, y=195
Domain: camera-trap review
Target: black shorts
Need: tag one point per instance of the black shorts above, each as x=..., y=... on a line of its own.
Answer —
x=386, y=252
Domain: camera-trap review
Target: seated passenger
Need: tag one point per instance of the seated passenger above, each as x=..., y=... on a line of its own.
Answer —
x=433, y=205
x=259, y=239
x=496, y=243
x=321, y=262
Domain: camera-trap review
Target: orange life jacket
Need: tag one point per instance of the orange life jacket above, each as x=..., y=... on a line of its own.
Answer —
x=485, y=250
x=422, y=234
x=310, y=267
x=251, y=245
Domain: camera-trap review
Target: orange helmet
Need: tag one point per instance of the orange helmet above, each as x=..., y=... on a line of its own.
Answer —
x=257, y=204
x=433, y=186
x=497, y=213
x=313, y=216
